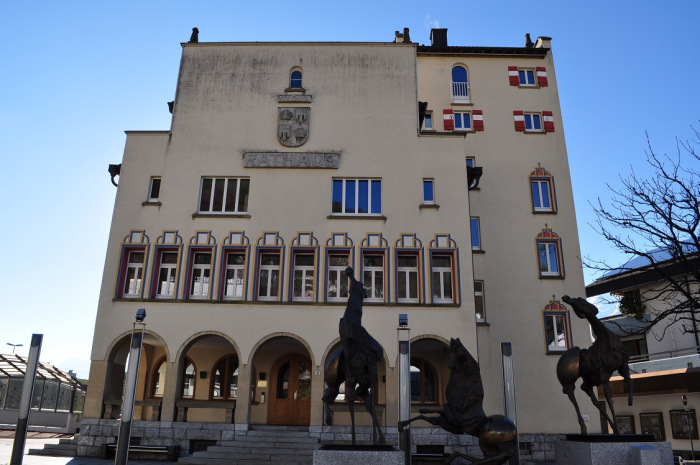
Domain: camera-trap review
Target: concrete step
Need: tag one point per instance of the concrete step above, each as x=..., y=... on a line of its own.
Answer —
x=276, y=433
x=241, y=461
x=60, y=446
x=52, y=452
x=271, y=438
x=73, y=440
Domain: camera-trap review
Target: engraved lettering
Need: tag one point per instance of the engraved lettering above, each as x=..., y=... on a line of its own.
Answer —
x=304, y=158
x=317, y=160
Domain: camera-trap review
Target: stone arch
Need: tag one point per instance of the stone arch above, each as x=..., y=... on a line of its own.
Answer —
x=261, y=342
x=190, y=341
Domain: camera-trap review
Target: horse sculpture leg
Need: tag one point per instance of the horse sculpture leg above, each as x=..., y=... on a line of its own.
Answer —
x=329, y=396
x=624, y=371
x=437, y=421
x=589, y=390
x=350, y=394
x=569, y=391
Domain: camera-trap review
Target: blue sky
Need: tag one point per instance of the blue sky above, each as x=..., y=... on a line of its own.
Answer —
x=76, y=74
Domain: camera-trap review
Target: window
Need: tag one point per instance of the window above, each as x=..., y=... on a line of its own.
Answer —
x=269, y=276
x=407, y=280
x=476, y=236
x=526, y=77
x=549, y=255
x=188, y=377
x=428, y=122
x=167, y=274
x=533, y=122
x=428, y=191
x=154, y=190
x=460, y=85
x=463, y=121
x=234, y=275
x=224, y=195
x=225, y=378
x=357, y=197
x=201, y=275
x=304, y=272
x=133, y=274
x=295, y=79
x=542, y=191
x=423, y=382
x=479, y=301
x=338, y=282
x=159, y=378
x=373, y=276
x=557, y=331
x=470, y=162
x=442, y=278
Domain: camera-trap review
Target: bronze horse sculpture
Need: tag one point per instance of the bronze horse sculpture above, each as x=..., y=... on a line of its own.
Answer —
x=354, y=363
x=594, y=365
x=464, y=414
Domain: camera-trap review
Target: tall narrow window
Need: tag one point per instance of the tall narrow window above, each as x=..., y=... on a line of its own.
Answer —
x=479, y=305
x=269, y=276
x=549, y=254
x=542, y=191
x=201, y=275
x=134, y=274
x=357, y=196
x=225, y=378
x=295, y=79
x=338, y=282
x=475, y=233
x=428, y=191
x=460, y=85
x=533, y=122
x=373, y=276
x=154, y=190
x=234, y=280
x=556, y=327
x=304, y=271
x=167, y=275
x=442, y=279
x=526, y=77
x=428, y=122
x=407, y=279
x=188, y=378
x=159, y=378
x=423, y=382
x=224, y=195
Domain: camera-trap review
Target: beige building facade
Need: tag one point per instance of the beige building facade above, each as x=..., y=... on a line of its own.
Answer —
x=287, y=162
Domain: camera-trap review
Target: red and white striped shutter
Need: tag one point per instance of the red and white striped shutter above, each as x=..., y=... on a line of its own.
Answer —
x=519, y=119
x=548, y=121
x=478, y=119
x=448, y=119
x=513, y=76
x=542, y=76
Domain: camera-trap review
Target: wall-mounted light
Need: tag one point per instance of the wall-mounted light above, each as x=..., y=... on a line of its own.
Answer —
x=140, y=314
x=114, y=171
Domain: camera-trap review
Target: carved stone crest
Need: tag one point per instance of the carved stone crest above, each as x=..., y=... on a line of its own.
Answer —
x=293, y=126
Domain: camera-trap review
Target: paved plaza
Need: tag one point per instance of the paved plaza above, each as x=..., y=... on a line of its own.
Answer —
x=37, y=441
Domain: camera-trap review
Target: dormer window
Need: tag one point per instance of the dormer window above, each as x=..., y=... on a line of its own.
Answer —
x=295, y=79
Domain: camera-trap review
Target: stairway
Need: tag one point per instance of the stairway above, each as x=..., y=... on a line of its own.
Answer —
x=65, y=448
x=261, y=444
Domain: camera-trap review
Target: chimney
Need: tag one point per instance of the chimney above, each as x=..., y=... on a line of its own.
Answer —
x=543, y=42
x=438, y=38
x=405, y=37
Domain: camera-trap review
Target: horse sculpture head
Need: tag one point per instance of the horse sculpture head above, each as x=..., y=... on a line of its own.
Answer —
x=460, y=357
x=355, y=285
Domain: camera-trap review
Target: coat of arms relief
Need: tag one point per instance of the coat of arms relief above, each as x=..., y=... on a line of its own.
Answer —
x=293, y=126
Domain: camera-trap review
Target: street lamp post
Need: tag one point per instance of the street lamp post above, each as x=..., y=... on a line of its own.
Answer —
x=404, y=339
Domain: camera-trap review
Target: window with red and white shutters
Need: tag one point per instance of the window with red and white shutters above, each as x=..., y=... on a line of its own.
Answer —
x=519, y=119
x=548, y=121
x=448, y=119
x=542, y=76
x=513, y=76
x=478, y=120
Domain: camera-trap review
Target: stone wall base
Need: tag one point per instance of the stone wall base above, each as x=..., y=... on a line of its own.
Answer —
x=613, y=453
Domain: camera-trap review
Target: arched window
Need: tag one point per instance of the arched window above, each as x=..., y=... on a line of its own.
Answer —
x=423, y=382
x=549, y=254
x=295, y=79
x=460, y=84
x=557, y=328
x=542, y=191
x=188, y=377
x=224, y=383
x=159, y=378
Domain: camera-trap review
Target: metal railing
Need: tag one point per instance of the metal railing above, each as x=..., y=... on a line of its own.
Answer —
x=666, y=354
x=460, y=92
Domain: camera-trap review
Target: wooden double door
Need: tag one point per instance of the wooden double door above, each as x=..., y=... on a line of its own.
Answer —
x=290, y=391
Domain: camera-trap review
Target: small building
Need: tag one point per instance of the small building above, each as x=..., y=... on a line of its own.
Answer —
x=57, y=401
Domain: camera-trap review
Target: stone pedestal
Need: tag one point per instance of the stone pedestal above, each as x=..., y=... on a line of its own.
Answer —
x=606, y=449
x=341, y=453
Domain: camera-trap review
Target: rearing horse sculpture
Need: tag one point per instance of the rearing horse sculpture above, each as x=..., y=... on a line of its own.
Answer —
x=594, y=365
x=354, y=363
x=464, y=414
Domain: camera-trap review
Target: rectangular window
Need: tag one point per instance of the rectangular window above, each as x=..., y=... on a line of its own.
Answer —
x=234, y=279
x=476, y=236
x=269, y=277
x=338, y=282
x=167, y=275
x=304, y=273
x=479, y=301
x=224, y=195
x=154, y=190
x=533, y=122
x=201, y=275
x=463, y=121
x=470, y=162
x=526, y=77
x=428, y=191
x=428, y=122
x=133, y=275
x=541, y=192
x=442, y=279
x=373, y=277
x=407, y=279
x=357, y=197
x=555, y=331
x=548, y=256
